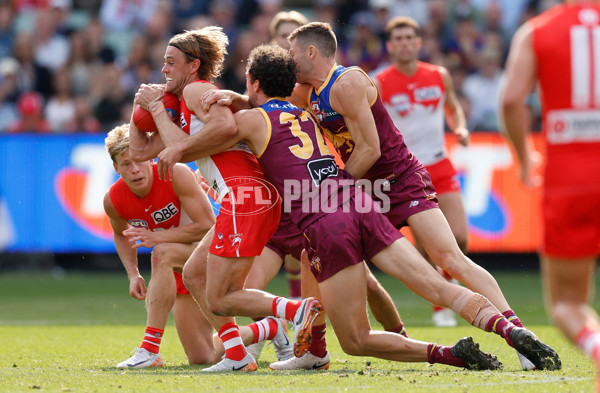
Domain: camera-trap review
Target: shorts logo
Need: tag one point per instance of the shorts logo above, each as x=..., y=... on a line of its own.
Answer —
x=413, y=204
x=220, y=236
x=236, y=240
x=315, y=263
x=138, y=223
x=165, y=213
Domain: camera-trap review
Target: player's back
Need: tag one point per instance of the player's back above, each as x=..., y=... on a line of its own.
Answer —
x=160, y=209
x=297, y=161
x=395, y=158
x=566, y=44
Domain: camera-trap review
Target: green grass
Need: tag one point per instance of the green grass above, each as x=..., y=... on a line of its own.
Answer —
x=66, y=334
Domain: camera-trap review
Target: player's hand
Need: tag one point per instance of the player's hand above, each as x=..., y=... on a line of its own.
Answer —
x=141, y=237
x=215, y=96
x=530, y=175
x=166, y=161
x=137, y=288
x=149, y=94
x=463, y=135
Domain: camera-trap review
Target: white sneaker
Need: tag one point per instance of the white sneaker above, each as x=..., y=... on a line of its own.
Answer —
x=305, y=316
x=281, y=341
x=308, y=361
x=255, y=349
x=227, y=365
x=142, y=358
x=525, y=363
x=444, y=318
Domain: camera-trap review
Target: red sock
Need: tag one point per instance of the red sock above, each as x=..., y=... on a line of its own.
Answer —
x=512, y=317
x=588, y=340
x=294, y=282
x=152, y=338
x=318, y=346
x=502, y=327
x=284, y=308
x=436, y=308
x=265, y=329
x=400, y=330
x=441, y=354
x=232, y=341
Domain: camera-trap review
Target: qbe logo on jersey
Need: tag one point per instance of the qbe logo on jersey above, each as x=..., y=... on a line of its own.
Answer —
x=165, y=213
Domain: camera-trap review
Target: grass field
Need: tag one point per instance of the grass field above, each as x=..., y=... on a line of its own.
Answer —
x=65, y=334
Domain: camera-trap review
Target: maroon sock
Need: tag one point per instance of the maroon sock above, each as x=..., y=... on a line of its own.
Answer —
x=400, y=330
x=318, y=346
x=441, y=354
x=512, y=317
x=502, y=327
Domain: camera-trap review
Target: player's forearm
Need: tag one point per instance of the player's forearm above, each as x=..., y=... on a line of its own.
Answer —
x=186, y=234
x=216, y=136
x=515, y=128
x=456, y=119
x=169, y=132
x=239, y=102
x=128, y=256
x=361, y=161
x=141, y=145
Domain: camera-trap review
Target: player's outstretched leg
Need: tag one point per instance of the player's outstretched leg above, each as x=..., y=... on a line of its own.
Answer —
x=540, y=354
x=474, y=358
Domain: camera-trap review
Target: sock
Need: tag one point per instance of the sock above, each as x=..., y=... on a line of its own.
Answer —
x=284, y=308
x=232, y=341
x=265, y=329
x=152, y=338
x=512, y=317
x=441, y=354
x=318, y=346
x=436, y=308
x=588, y=340
x=400, y=330
x=293, y=277
x=502, y=327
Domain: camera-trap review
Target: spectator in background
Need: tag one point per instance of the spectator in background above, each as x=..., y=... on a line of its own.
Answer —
x=32, y=75
x=9, y=69
x=7, y=33
x=126, y=14
x=223, y=13
x=60, y=109
x=84, y=120
x=482, y=88
x=51, y=49
x=30, y=106
x=283, y=24
x=110, y=97
x=364, y=48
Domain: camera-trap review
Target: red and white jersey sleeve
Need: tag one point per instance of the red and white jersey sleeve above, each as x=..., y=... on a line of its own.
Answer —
x=226, y=170
x=416, y=104
x=160, y=209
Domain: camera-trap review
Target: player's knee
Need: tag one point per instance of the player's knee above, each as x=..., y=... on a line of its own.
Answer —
x=201, y=357
x=352, y=346
x=193, y=277
x=160, y=255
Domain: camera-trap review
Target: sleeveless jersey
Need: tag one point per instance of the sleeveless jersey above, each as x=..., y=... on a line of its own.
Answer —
x=223, y=171
x=299, y=164
x=395, y=158
x=416, y=105
x=566, y=44
x=159, y=210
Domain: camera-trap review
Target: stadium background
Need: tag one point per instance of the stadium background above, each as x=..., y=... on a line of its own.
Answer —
x=69, y=69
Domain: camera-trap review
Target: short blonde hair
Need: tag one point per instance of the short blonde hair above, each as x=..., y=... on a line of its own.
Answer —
x=117, y=141
x=208, y=44
x=400, y=22
x=286, y=17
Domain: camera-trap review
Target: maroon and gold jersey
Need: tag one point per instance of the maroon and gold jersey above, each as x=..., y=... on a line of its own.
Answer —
x=160, y=209
x=296, y=160
x=395, y=159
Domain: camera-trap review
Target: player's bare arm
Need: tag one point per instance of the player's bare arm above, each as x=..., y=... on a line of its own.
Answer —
x=520, y=80
x=300, y=94
x=252, y=128
x=350, y=97
x=235, y=101
x=455, y=116
x=127, y=254
x=143, y=145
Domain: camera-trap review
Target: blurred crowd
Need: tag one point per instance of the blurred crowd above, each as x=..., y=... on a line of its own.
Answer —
x=71, y=66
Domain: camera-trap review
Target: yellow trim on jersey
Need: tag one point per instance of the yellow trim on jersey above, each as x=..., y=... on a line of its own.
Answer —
x=331, y=71
x=268, y=139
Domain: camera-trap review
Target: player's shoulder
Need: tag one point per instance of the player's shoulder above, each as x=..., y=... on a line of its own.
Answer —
x=197, y=88
x=350, y=79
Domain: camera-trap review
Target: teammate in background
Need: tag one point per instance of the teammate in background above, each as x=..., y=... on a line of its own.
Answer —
x=170, y=217
x=417, y=95
x=556, y=50
x=244, y=224
x=349, y=110
x=290, y=147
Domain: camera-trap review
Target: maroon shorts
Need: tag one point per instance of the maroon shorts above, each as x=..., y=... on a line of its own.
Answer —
x=345, y=237
x=287, y=240
x=409, y=195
